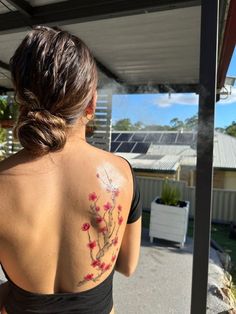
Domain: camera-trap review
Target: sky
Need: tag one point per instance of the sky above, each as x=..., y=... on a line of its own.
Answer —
x=161, y=108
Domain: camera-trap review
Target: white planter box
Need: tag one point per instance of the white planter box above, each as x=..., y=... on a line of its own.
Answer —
x=168, y=222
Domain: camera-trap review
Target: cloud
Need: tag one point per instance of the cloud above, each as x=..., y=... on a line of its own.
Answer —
x=190, y=99
x=166, y=100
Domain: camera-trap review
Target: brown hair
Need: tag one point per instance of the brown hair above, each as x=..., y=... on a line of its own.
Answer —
x=55, y=77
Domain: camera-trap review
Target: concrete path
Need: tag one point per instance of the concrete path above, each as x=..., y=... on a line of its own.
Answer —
x=161, y=283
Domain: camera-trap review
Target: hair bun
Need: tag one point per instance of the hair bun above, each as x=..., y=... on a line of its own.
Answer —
x=40, y=131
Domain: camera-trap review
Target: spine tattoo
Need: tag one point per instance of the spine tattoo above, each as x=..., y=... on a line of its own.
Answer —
x=108, y=228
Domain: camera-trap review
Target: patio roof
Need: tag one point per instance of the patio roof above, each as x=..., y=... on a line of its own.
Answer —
x=147, y=46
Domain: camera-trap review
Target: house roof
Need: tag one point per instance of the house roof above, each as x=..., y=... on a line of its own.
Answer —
x=167, y=156
x=224, y=151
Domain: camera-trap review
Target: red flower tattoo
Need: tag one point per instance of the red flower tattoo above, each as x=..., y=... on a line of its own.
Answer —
x=89, y=277
x=95, y=263
x=91, y=244
x=120, y=220
x=102, y=266
x=97, y=208
x=115, y=241
x=103, y=230
x=107, y=206
x=85, y=226
x=93, y=196
x=113, y=258
x=108, y=266
x=120, y=208
x=99, y=219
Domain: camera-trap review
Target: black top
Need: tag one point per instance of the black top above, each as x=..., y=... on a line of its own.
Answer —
x=98, y=300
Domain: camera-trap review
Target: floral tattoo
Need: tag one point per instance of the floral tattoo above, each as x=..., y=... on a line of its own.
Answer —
x=108, y=228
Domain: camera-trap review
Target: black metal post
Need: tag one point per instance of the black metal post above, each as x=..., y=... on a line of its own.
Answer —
x=204, y=171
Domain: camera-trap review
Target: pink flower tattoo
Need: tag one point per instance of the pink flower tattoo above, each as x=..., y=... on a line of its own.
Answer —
x=85, y=226
x=115, y=241
x=120, y=220
x=107, y=206
x=106, y=220
x=99, y=219
x=92, y=244
x=95, y=263
x=89, y=277
x=93, y=196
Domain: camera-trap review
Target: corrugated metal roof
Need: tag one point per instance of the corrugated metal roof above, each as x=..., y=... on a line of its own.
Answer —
x=180, y=150
x=224, y=151
x=4, y=8
x=165, y=163
x=168, y=157
x=147, y=48
x=154, y=48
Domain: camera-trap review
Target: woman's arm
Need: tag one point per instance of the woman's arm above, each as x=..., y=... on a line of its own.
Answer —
x=130, y=248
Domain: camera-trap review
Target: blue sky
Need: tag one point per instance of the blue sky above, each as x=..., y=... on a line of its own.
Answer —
x=161, y=108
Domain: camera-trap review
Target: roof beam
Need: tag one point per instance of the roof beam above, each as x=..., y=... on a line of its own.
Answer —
x=4, y=66
x=74, y=11
x=108, y=72
x=22, y=6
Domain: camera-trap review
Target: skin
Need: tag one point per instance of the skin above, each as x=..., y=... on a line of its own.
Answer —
x=45, y=203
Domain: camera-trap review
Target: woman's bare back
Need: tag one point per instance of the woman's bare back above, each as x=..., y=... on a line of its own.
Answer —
x=63, y=217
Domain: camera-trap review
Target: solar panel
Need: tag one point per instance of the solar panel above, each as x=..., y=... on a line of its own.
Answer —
x=168, y=138
x=138, y=137
x=141, y=148
x=114, y=146
x=185, y=138
x=153, y=137
x=114, y=136
x=125, y=147
x=124, y=137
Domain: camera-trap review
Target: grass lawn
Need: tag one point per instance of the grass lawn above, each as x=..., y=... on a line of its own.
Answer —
x=219, y=233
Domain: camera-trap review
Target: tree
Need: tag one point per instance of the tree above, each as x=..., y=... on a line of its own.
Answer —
x=123, y=125
x=176, y=124
x=231, y=129
x=220, y=130
x=191, y=123
x=138, y=126
x=157, y=127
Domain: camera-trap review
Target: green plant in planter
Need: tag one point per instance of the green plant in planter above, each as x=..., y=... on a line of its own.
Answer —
x=170, y=195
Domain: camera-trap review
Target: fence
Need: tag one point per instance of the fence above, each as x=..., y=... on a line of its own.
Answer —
x=223, y=206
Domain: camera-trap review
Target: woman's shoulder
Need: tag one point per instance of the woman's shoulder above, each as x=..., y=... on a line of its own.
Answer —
x=117, y=161
x=10, y=164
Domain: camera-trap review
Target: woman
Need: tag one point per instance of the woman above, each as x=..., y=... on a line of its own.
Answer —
x=70, y=212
